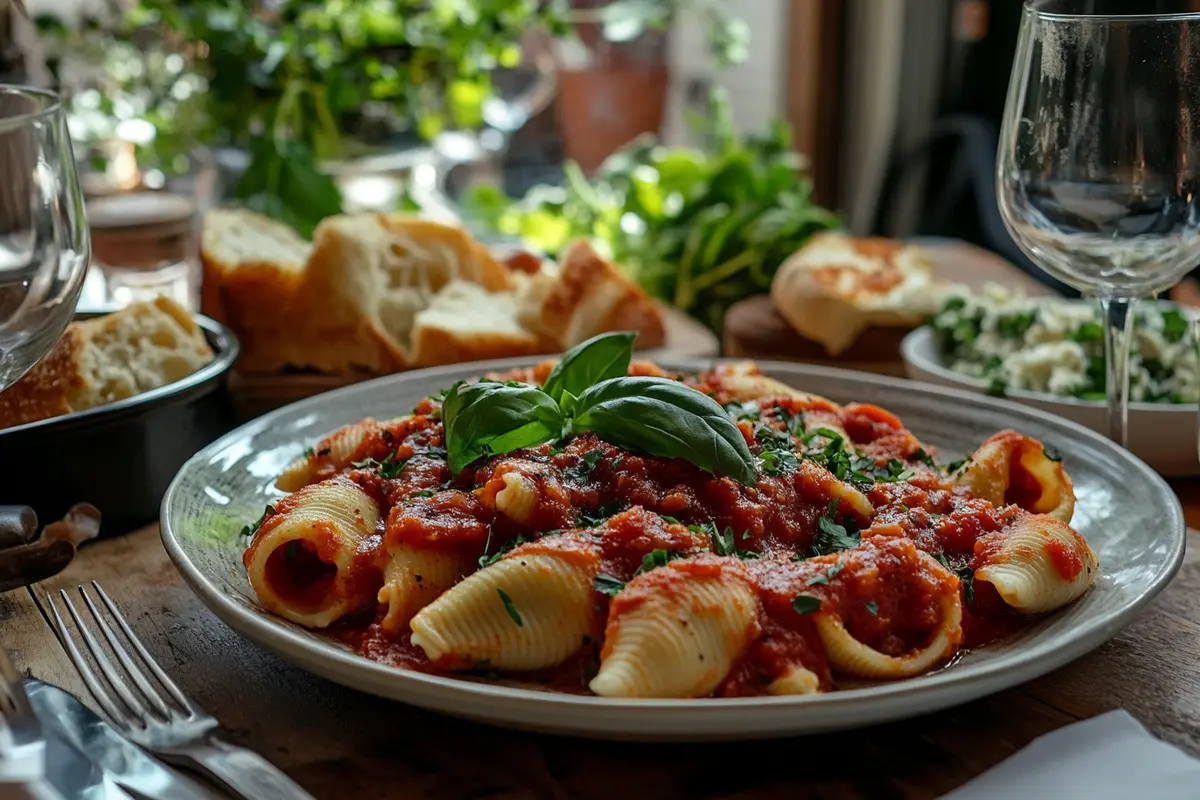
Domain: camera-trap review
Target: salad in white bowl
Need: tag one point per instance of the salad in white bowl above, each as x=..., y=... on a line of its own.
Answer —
x=1048, y=352
x=1055, y=346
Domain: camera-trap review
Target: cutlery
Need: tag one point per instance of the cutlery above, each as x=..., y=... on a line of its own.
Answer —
x=22, y=745
x=163, y=720
x=66, y=718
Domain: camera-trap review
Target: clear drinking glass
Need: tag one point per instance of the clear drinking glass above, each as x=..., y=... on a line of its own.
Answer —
x=44, y=246
x=1098, y=169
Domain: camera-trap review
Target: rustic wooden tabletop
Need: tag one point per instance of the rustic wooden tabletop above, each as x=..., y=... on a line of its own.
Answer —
x=340, y=743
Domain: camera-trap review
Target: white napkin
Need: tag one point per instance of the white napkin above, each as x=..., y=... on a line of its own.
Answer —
x=1109, y=757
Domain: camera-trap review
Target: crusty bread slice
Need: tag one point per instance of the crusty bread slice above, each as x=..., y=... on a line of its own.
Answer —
x=110, y=358
x=250, y=262
x=463, y=322
x=585, y=295
x=836, y=287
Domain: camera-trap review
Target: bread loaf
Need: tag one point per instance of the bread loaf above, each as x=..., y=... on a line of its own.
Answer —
x=837, y=287
x=109, y=358
x=381, y=293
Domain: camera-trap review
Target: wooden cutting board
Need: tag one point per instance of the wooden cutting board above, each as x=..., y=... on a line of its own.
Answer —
x=754, y=329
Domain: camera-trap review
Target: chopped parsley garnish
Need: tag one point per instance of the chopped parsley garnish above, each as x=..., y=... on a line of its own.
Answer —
x=793, y=419
x=1051, y=453
x=832, y=537
x=1175, y=325
x=309, y=452
x=291, y=550
x=324, y=451
x=743, y=412
x=724, y=542
x=1014, y=326
x=872, y=608
x=486, y=560
x=510, y=608
x=671, y=520
x=607, y=584
x=997, y=387
x=252, y=528
x=1088, y=332
x=657, y=558
x=924, y=458
x=422, y=493
x=390, y=467
x=582, y=471
x=806, y=604
x=966, y=575
x=824, y=578
x=586, y=519
x=778, y=456
x=955, y=467
x=616, y=463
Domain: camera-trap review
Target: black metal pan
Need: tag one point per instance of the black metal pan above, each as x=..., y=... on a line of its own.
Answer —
x=120, y=457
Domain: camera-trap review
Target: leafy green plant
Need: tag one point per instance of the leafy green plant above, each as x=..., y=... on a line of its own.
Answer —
x=298, y=82
x=697, y=229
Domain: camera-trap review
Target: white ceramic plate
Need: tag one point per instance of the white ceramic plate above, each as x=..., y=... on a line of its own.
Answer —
x=1126, y=511
x=1164, y=435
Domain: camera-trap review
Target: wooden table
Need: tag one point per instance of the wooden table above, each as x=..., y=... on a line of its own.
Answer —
x=340, y=743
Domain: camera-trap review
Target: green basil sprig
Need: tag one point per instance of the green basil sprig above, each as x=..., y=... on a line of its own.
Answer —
x=589, y=391
x=665, y=418
x=492, y=417
x=598, y=359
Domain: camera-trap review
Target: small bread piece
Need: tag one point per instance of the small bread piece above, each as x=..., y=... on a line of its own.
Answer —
x=463, y=322
x=251, y=262
x=585, y=295
x=110, y=358
x=837, y=286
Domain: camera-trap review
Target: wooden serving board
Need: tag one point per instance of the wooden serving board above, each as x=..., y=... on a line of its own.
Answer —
x=257, y=394
x=754, y=329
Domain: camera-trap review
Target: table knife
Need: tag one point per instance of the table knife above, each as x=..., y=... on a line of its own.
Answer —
x=64, y=716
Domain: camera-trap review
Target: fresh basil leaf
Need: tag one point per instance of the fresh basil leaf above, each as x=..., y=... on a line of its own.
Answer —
x=599, y=358
x=1051, y=453
x=657, y=558
x=667, y=419
x=489, y=417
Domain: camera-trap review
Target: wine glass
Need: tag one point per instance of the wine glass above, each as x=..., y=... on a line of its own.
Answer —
x=1098, y=169
x=44, y=245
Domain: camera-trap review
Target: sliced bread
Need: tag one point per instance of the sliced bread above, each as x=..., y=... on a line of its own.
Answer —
x=110, y=358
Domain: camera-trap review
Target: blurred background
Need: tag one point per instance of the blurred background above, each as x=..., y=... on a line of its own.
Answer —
x=891, y=106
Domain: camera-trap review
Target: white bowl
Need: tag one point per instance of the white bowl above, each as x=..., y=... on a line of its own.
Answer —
x=1164, y=435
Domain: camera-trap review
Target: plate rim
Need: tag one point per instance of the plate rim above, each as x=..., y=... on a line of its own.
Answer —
x=931, y=691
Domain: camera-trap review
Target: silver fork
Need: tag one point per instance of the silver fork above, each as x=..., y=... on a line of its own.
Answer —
x=169, y=725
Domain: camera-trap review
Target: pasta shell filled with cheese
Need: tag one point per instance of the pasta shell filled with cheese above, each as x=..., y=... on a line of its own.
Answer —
x=795, y=681
x=332, y=454
x=308, y=562
x=931, y=601
x=530, y=610
x=676, y=631
x=1011, y=469
x=1037, y=564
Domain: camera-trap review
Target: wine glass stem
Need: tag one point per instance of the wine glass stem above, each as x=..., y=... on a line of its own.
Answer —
x=1118, y=322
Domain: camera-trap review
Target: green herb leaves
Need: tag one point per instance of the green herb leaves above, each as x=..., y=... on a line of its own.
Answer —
x=832, y=537
x=665, y=418
x=806, y=604
x=510, y=608
x=490, y=417
x=653, y=415
x=598, y=359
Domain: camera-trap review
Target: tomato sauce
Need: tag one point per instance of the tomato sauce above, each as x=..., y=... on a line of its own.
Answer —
x=626, y=514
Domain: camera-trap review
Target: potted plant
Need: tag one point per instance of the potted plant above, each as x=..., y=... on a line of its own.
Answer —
x=614, y=75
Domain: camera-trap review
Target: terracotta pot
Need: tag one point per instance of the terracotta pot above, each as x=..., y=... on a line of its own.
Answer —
x=609, y=93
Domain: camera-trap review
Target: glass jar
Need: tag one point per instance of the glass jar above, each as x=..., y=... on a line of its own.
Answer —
x=143, y=245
